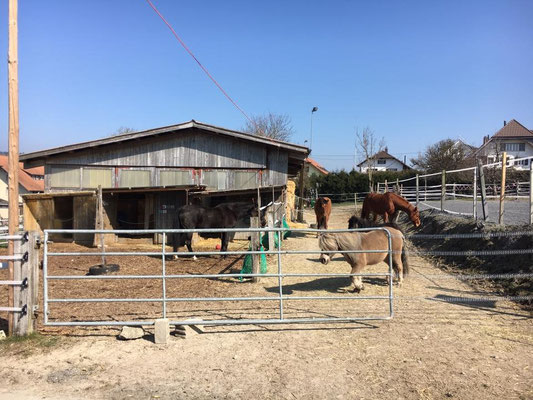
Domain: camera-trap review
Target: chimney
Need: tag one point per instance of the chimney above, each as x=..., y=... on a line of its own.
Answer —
x=386, y=149
x=504, y=123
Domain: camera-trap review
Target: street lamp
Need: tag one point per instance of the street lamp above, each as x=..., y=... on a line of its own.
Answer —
x=312, y=112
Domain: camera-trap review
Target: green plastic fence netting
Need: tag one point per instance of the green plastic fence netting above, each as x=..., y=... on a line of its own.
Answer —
x=247, y=264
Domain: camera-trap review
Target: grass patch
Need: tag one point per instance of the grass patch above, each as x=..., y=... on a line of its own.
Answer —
x=27, y=345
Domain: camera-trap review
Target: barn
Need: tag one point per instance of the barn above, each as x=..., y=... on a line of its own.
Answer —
x=146, y=176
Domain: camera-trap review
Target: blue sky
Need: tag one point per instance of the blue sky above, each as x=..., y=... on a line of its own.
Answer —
x=415, y=72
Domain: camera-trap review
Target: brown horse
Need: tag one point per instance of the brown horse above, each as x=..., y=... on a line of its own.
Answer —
x=373, y=240
x=322, y=212
x=388, y=205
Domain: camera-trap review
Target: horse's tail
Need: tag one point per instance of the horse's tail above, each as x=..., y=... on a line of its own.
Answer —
x=177, y=238
x=405, y=258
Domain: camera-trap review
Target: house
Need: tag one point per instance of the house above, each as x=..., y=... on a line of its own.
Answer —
x=314, y=168
x=382, y=161
x=147, y=176
x=513, y=138
x=30, y=181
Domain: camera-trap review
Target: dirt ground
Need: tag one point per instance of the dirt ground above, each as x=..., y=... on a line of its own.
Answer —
x=435, y=347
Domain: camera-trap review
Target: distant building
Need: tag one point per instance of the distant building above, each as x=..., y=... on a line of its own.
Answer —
x=382, y=161
x=514, y=138
x=314, y=168
x=30, y=181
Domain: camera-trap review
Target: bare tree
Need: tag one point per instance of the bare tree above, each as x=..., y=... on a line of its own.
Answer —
x=368, y=146
x=275, y=126
x=122, y=130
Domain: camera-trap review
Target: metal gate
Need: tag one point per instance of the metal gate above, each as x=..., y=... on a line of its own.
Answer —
x=164, y=299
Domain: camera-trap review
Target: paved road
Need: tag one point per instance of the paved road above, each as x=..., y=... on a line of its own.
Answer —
x=516, y=212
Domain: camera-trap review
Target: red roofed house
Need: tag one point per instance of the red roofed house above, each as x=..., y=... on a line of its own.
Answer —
x=30, y=181
x=515, y=139
x=314, y=168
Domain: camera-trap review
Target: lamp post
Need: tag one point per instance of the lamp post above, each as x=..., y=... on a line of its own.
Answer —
x=313, y=110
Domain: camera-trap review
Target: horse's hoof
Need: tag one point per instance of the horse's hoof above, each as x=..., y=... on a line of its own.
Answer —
x=194, y=258
x=174, y=257
x=357, y=290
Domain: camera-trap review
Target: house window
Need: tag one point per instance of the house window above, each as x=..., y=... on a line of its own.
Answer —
x=382, y=161
x=512, y=147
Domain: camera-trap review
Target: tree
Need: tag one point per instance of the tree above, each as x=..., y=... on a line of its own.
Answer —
x=445, y=154
x=122, y=130
x=367, y=144
x=275, y=126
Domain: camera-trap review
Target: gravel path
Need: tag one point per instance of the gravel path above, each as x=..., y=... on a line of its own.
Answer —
x=516, y=212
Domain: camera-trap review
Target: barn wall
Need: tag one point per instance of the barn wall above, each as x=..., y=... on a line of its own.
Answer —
x=187, y=149
x=84, y=212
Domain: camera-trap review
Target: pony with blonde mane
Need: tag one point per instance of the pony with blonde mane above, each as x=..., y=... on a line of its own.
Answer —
x=372, y=240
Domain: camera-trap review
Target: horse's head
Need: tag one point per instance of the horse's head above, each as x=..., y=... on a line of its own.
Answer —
x=326, y=243
x=414, y=216
x=356, y=222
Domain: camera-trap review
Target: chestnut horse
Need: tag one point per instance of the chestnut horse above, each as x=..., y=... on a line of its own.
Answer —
x=388, y=205
x=373, y=240
x=322, y=211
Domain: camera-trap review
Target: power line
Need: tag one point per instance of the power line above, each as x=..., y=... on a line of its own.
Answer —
x=198, y=62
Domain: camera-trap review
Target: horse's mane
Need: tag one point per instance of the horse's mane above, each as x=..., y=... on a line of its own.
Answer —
x=358, y=222
x=400, y=202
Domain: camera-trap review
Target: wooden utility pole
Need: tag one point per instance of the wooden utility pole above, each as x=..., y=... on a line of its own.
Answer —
x=483, y=189
x=13, y=162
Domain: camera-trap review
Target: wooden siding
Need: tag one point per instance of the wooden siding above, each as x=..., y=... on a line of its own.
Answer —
x=188, y=158
x=186, y=150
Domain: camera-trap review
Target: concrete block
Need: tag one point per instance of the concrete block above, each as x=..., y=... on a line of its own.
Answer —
x=162, y=331
x=131, y=332
x=184, y=331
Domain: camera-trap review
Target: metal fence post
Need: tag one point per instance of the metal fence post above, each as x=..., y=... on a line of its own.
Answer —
x=164, y=273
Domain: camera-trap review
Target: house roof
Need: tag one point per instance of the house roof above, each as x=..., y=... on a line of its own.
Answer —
x=513, y=129
x=25, y=179
x=299, y=151
x=384, y=154
x=317, y=165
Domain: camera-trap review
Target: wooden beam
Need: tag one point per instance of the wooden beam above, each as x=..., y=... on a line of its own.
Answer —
x=13, y=162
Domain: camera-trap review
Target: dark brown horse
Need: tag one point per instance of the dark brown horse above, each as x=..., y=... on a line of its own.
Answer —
x=388, y=205
x=322, y=212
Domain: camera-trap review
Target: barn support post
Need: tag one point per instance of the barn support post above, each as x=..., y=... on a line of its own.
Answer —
x=483, y=189
x=270, y=220
x=255, y=238
x=502, y=190
x=100, y=222
x=474, y=202
x=531, y=192
x=443, y=190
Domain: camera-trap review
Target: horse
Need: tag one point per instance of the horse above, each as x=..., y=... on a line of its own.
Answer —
x=225, y=215
x=372, y=240
x=322, y=212
x=389, y=205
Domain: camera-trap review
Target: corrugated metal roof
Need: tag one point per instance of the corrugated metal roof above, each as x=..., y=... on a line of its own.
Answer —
x=304, y=151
